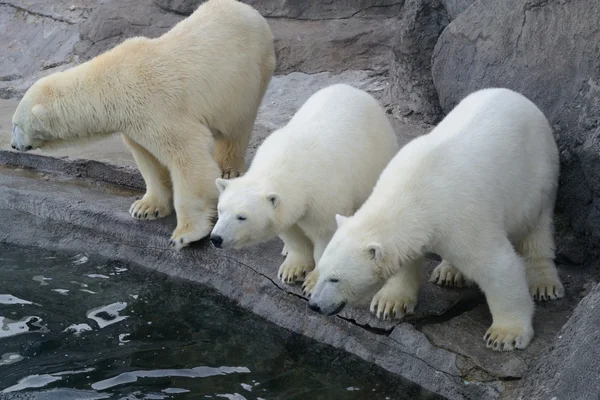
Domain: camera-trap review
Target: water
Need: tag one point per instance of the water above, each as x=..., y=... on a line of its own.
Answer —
x=82, y=327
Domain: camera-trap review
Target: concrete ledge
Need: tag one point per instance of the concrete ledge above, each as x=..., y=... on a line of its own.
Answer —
x=62, y=212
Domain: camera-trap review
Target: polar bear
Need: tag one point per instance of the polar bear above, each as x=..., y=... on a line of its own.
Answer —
x=326, y=160
x=181, y=101
x=484, y=180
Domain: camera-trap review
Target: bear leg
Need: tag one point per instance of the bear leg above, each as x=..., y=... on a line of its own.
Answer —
x=230, y=152
x=299, y=261
x=447, y=275
x=193, y=172
x=157, y=202
x=398, y=296
x=537, y=248
x=501, y=276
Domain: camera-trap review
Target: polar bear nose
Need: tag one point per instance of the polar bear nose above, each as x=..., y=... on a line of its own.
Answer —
x=216, y=240
x=314, y=306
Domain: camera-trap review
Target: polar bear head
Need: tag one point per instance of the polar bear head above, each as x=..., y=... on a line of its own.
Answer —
x=57, y=111
x=248, y=213
x=353, y=267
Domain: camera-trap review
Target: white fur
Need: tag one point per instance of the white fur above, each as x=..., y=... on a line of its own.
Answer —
x=324, y=162
x=178, y=100
x=484, y=180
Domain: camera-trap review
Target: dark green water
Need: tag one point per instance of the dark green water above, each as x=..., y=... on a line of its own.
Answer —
x=82, y=327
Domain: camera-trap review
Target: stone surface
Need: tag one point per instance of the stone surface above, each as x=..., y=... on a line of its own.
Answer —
x=411, y=89
x=62, y=212
x=569, y=368
x=455, y=7
x=547, y=50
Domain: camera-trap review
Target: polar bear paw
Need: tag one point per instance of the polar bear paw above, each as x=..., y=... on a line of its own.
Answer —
x=309, y=283
x=507, y=338
x=148, y=208
x=389, y=304
x=547, y=289
x=447, y=275
x=183, y=236
x=293, y=271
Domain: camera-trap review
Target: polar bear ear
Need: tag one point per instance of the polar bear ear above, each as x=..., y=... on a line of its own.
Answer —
x=340, y=220
x=221, y=184
x=375, y=251
x=274, y=199
x=40, y=112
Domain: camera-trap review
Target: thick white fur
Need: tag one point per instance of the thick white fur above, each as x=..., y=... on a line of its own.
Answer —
x=484, y=180
x=178, y=100
x=326, y=160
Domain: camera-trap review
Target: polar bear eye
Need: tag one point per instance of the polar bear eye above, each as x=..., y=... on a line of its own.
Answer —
x=241, y=218
x=334, y=280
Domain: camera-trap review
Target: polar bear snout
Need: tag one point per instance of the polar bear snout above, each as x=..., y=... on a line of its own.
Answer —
x=329, y=310
x=19, y=140
x=216, y=240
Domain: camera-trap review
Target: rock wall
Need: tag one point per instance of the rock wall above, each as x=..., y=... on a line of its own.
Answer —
x=549, y=51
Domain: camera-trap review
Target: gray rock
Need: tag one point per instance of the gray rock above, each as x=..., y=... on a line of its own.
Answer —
x=113, y=21
x=334, y=45
x=547, y=51
x=463, y=335
x=299, y=9
x=455, y=7
x=411, y=89
x=570, y=368
x=34, y=44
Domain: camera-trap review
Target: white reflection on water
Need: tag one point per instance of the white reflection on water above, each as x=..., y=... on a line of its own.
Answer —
x=108, y=315
x=10, y=358
x=37, y=381
x=10, y=299
x=78, y=329
x=198, y=372
x=9, y=327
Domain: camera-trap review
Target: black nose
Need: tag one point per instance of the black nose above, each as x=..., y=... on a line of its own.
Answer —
x=28, y=148
x=216, y=240
x=13, y=146
x=314, y=306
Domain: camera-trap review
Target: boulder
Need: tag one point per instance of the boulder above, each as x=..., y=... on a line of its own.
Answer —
x=569, y=368
x=547, y=50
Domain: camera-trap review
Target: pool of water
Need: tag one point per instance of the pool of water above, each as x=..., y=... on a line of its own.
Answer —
x=83, y=327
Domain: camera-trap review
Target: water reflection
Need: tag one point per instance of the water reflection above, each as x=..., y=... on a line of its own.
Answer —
x=132, y=335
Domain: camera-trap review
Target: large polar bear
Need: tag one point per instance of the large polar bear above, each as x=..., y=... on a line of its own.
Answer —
x=326, y=160
x=177, y=100
x=484, y=180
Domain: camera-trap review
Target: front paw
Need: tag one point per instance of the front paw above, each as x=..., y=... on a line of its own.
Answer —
x=309, y=283
x=188, y=233
x=390, y=303
x=294, y=270
x=149, y=208
x=447, y=275
x=501, y=337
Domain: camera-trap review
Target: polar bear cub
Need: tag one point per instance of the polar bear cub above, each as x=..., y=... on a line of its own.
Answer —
x=326, y=160
x=480, y=185
x=185, y=104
